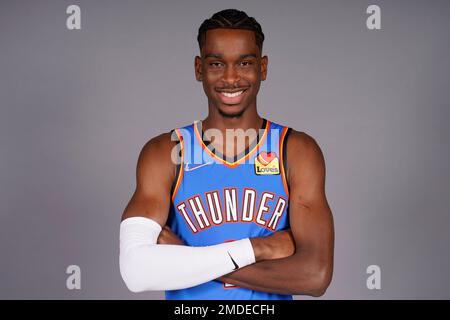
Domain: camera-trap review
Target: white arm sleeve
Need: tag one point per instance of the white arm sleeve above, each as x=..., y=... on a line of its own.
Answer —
x=145, y=265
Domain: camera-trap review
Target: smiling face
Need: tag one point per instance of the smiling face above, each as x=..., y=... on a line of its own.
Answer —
x=231, y=69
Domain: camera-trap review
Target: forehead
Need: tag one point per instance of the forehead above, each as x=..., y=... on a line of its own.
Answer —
x=228, y=41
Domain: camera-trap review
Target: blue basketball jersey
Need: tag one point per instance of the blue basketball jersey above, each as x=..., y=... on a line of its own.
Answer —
x=216, y=199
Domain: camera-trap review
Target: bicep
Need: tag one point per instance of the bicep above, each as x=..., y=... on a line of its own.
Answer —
x=310, y=215
x=154, y=177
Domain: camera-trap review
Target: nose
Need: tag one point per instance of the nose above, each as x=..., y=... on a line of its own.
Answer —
x=230, y=75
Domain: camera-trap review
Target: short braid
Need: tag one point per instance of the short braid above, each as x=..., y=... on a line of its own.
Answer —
x=230, y=19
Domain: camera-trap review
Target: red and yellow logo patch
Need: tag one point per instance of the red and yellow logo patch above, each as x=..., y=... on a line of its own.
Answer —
x=267, y=163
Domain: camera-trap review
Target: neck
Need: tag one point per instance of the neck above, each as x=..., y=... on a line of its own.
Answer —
x=230, y=145
x=249, y=119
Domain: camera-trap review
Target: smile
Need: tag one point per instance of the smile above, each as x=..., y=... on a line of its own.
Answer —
x=232, y=98
x=232, y=95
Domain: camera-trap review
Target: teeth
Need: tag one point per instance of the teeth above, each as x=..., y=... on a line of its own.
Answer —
x=231, y=95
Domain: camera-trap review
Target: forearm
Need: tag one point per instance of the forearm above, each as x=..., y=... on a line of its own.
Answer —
x=297, y=274
x=145, y=265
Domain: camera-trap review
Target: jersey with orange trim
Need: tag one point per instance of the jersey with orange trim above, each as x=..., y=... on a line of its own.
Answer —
x=216, y=199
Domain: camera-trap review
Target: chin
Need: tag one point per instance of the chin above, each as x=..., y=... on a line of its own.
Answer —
x=231, y=113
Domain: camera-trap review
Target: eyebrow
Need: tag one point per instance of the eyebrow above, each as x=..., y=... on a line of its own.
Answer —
x=219, y=56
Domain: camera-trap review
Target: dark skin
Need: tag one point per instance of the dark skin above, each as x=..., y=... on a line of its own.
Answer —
x=297, y=261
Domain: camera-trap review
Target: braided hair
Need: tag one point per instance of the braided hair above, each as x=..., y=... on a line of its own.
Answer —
x=230, y=19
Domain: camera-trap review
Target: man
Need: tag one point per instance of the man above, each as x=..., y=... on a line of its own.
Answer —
x=219, y=219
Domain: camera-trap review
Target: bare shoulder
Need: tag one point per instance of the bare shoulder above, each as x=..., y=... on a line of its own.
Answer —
x=304, y=157
x=155, y=173
x=301, y=144
x=159, y=145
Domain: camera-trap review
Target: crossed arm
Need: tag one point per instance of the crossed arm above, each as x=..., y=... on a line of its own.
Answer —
x=309, y=269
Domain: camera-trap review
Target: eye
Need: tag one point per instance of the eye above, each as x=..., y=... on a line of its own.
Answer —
x=216, y=64
x=246, y=63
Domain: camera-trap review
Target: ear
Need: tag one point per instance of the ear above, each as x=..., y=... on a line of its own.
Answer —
x=264, y=63
x=198, y=68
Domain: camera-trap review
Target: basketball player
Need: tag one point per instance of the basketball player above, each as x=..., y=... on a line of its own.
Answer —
x=242, y=221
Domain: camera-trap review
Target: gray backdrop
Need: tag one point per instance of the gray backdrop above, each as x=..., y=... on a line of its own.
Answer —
x=78, y=105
